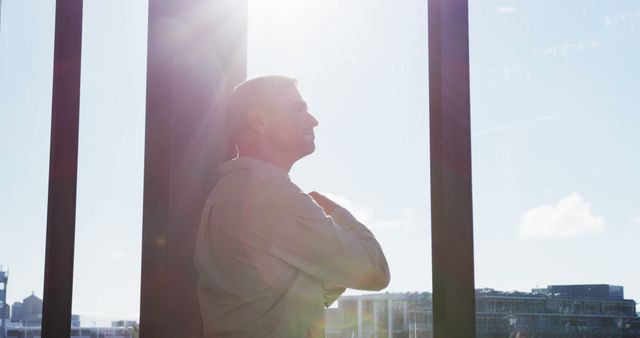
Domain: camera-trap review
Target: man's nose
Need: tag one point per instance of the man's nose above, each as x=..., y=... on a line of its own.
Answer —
x=312, y=119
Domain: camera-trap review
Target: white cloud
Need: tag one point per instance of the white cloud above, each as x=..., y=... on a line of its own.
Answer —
x=506, y=10
x=636, y=220
x=570, y=217
x=365, y=214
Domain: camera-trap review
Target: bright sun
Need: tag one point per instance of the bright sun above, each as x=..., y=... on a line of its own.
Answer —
x=280, y=9
x=287, y=19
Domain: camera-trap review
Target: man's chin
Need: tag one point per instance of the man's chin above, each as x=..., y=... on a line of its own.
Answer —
x=307, y=150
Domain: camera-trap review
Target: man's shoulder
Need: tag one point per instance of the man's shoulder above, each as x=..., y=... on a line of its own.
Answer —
x=254, y=184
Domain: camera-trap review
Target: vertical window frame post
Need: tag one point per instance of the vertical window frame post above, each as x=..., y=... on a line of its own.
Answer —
x=451, y=194
x=196, y=53
x=63, y=170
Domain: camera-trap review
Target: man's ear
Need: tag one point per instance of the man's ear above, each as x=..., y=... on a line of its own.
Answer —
x=257, y=120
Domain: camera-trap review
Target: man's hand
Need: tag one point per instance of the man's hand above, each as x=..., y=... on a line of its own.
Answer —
x=327, y=205
x=331, y=292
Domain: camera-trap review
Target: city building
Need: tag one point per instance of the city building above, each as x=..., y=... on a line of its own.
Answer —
x=118, y=329
x=28, y=312
x=381, y=315
x=16, y=312
x=75, y=320
x=82, y=332
x=556, y=311
x=124, y=323
x=4, y=308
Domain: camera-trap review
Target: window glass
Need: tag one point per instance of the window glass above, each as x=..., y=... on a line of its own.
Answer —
x=26, y=71
x=362, y=67
x=106, y=287
x=555, y=131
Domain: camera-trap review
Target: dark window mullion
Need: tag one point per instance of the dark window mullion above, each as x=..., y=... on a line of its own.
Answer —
x=63, y=167
x=196, y=53
x=451, y=199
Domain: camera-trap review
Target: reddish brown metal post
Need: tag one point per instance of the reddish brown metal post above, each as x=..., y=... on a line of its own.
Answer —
x=63, y=168
x=451, y=199
x=196, y=54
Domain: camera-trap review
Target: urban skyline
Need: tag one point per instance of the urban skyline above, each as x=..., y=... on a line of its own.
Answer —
x=595, y=310
x=89, y=320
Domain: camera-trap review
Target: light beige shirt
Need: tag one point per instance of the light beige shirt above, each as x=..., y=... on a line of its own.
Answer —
x=265, y=252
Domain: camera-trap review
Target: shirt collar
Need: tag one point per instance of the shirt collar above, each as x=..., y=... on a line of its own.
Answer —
x=251, y=163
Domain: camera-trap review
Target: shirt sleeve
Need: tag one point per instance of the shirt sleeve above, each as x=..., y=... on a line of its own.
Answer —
x=336, y=250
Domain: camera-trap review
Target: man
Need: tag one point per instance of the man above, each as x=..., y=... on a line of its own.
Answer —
x=271, y=257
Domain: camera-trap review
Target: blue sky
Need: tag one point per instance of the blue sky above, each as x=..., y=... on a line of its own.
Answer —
x=554, y=120
x=555, y=155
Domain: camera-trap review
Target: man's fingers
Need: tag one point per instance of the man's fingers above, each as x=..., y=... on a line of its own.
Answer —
x=317, y=195
x=326, y=204
x=320, y=198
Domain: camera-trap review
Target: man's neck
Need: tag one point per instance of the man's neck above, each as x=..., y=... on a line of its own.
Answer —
x=271, y=157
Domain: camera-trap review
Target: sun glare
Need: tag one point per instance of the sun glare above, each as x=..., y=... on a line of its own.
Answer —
x=280, y=9
x=287, y=19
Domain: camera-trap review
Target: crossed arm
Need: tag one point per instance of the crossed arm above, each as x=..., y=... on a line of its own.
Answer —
x=335, y=249
x=331, y=291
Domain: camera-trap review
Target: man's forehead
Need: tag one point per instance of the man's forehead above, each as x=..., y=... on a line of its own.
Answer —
x=293, y=98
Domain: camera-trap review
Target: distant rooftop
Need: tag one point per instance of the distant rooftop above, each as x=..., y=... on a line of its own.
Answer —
x=579, y=291
x=588, y=291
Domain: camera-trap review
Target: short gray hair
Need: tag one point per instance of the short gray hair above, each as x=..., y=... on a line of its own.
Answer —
x=256, y=93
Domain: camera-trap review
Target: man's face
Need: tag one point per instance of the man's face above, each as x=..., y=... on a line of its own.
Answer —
x=289, y=127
